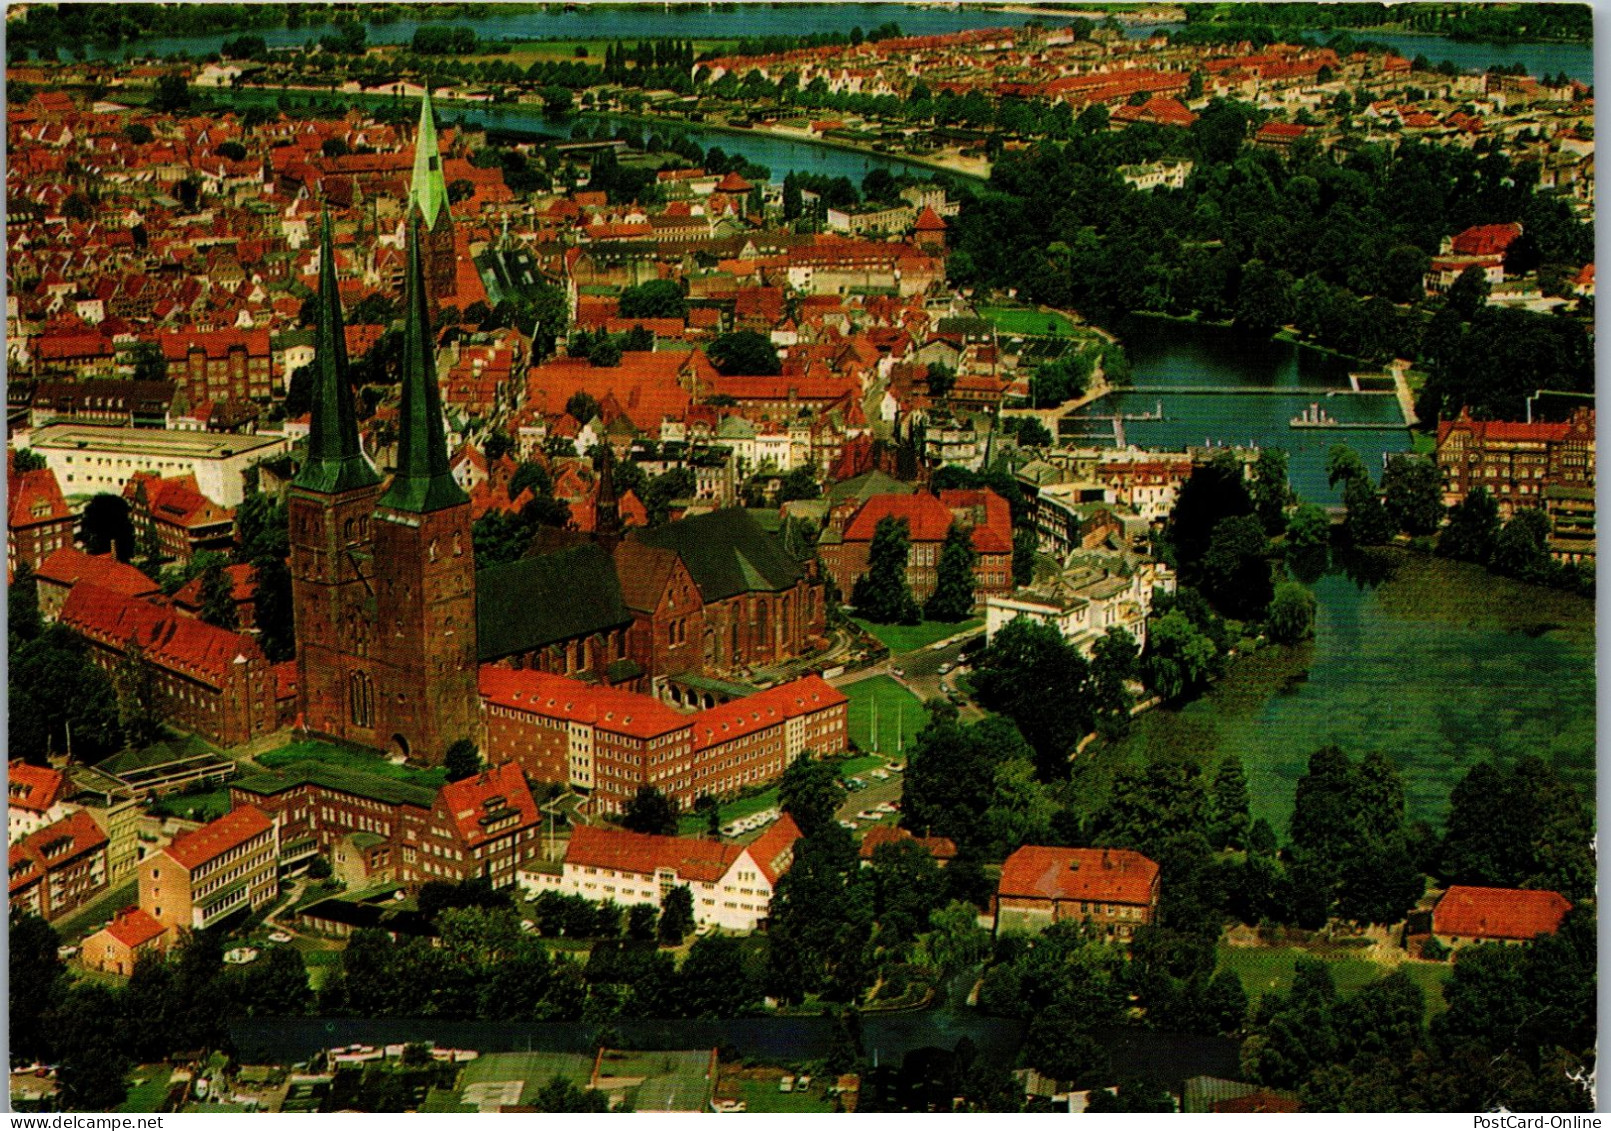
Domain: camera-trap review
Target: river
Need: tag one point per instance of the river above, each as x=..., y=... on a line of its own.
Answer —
x=729, y=21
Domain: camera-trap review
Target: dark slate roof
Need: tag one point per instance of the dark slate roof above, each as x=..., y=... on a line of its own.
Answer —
x=727, y=553
x=534, y=602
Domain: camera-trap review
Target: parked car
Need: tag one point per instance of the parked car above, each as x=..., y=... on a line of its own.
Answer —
x=786, y=1084
x=285, y=937
x=847, y=824
x=944, y=668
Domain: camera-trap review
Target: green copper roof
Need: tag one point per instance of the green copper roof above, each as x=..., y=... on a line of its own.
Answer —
x=335, y=461
x=428, y=189
x=423, y=482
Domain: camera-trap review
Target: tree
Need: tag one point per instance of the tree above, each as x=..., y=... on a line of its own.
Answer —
x=106, y=527
x=1030, y=674
x=36, y=974
x=1271, y=490
x=1024, y=546
x=1349, y=838
x=1235, y=572
x=1473, y=528
x=1468, y=293
x=218, y=598
x=1521, y=827
x=744, y=353
x=1412, y=491
x=462, y=760
x=1522, y=548
x=172, y=94
x=1215, y=491
x=952, y=599
x=1228, y=806
x=141, y=705
x=1366, y=522
x=882, y=593
x=23, y=620
x=651, y=811
x=581, y=407
x=1292, y=613
x=714, y=981
x=676, y=915
x=642, y=921
x=658, y=298
x=560, y=1096
x=810, y=792
x=907, y=883
x=91, y=1064
x=711, y=809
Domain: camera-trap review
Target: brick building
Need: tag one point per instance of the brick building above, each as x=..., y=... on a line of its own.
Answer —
x=64, y=569
x=59, y=868
x=383, y=583
x=212, y=681
x=609, y=742
x=220, y=365
x=731, y=884
x=224, y=867
x=376, y=828
x=115, y=948
x=1114, y=888
x=176, y=517
x=847, y=542
x=36, y=797
x=38, y=521
x=1516, y=462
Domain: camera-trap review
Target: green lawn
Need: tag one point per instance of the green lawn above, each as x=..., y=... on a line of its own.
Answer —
x=1269, y=970
x=900, y=713
x=204, y=806
x=763, y=1095
x=851, y=766
x=1025, y=320
x=149, y=1090
x=693, y=824
x=911, y=638
x=349, y=758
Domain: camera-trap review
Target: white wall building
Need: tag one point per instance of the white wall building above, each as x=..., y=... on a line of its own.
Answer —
x=90, y=459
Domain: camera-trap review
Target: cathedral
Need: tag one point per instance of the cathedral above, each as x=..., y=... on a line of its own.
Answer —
x=383, y=575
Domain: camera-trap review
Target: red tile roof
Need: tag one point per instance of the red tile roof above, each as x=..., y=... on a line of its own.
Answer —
x=1283, y=131
x=215, y=838
x=33, y=497
x=739, y=717
x=555, y=697
x=1486, y=239
x=62, y=842
x=773, y=850
x=927, y=518
x=71, y=567
x=987, y=513
x=179, y=643
x=480, y=806
x=1498, y=913
x=733, y=183
x=929, y=221
x=642, y=853
x=939, y=847
x=33, y=788
x=133, y=927
x=1104, y=875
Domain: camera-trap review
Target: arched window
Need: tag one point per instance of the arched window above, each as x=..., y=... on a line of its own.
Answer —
x=361, y=696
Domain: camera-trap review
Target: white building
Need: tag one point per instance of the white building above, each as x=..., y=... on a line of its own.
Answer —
x=731, y=884
x=1084, y=603
x=91, y=459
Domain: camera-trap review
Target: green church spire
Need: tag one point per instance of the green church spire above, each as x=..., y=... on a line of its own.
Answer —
x=423, y=482
x=335, y=461
x=428, y=189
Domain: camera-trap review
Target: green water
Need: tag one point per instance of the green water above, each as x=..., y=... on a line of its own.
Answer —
x=1440, y=666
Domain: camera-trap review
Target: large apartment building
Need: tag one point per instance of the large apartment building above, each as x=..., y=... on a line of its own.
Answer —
x=205, y=876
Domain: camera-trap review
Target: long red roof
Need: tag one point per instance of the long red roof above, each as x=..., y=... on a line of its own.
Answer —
x=215, y=838
x=643, y=853
x=179, y=643
x=483, y=802
x=553, y=696
x=1103, y=875
x=1498, y=913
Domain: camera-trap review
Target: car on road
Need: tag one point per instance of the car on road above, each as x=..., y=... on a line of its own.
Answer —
x=65, y=952
x=884, y=807
x=847, y=824
x=898, y=673
x=279, y=937
x=867, y=815
x=881, y=775
x=945, y=668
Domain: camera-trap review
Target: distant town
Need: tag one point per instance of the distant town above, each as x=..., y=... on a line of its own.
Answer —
x=528, y=542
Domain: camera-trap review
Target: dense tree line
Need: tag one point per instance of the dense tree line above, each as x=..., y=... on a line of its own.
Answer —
x=1351, y=240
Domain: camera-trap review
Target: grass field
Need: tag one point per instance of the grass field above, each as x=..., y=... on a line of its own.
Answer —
x=899, y=713
x=311, y=749
x=763, y=1095
x=693, y=824
x=900, y=638
x=1266, y=970
x=1023, y=320
x=149, y=1090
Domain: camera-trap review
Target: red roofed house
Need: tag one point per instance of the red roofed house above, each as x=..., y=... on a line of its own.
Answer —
x=1483, y=247
x=942, y=848
x=59, y=867
x=731, y=884
x=38, y=519
x=215, y=682
x=119, y=945
x=928, y=232
x=180, y=518
x=1279, y=135
x=1115, y=888
x=226, y=866
x=59, y=573
x=1468, y=915
x=36, y=798
x=846, y=544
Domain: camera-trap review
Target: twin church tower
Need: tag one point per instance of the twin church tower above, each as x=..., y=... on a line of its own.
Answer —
x=383, y=574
